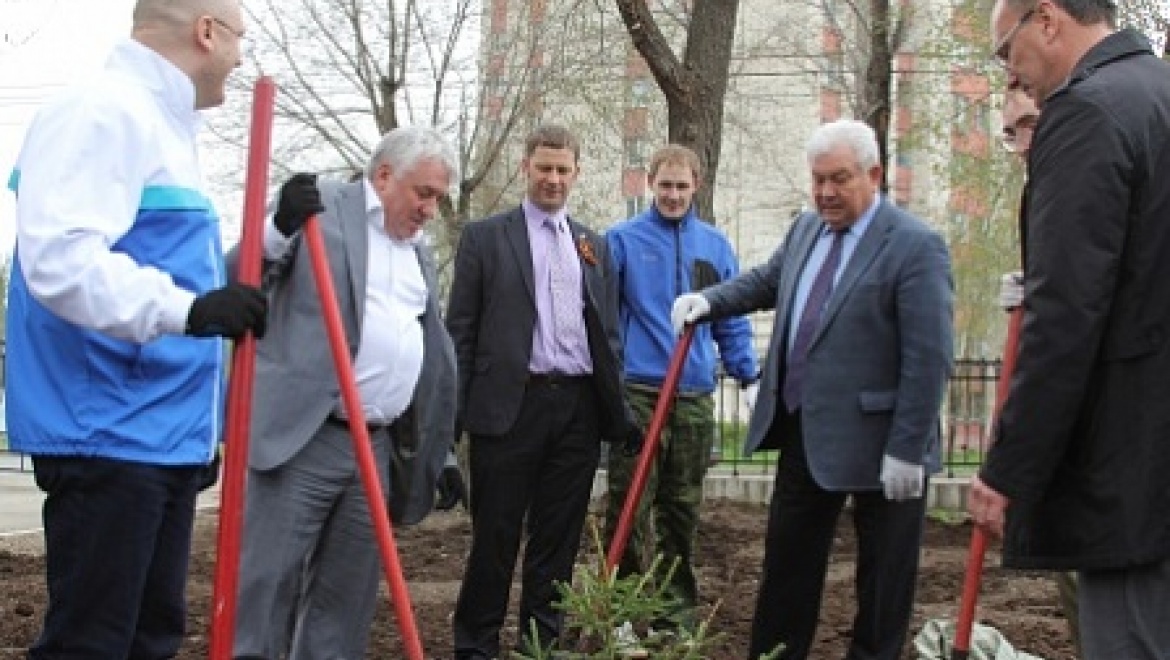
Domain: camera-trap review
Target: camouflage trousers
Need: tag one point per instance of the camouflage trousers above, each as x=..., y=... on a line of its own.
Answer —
x=674, y=490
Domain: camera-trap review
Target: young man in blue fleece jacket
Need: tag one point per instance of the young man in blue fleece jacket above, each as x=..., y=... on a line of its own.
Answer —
x=658, y=255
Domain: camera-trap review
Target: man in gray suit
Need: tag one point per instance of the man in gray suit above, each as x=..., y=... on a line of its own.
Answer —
x=860, y=355
x=533, y=314
x=310, y=566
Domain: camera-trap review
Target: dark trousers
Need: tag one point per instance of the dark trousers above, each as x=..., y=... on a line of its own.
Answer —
x=117, y=540
x=1123, y=612
x=801, y=524
x=536, y=480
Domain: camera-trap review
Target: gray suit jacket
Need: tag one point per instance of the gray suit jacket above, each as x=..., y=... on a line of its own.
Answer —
x=296, y=387
x=878, y=365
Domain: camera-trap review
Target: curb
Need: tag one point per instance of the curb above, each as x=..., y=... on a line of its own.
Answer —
x=948, y=493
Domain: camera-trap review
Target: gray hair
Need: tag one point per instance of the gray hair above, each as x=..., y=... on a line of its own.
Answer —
x=403, y=147
x=857, y=135
x=1084, y=12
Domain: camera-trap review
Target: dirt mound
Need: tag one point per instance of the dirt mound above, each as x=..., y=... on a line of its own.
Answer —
x=1021, y=605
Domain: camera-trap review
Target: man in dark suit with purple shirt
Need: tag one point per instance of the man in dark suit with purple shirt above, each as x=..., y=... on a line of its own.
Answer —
x=533, y=314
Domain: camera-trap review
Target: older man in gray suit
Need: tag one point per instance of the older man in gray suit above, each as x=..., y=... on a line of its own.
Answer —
x=860, y=354
x=310, y=565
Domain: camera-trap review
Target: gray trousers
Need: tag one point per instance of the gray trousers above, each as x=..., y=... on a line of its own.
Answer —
x=309, y=564
x=1125, y=613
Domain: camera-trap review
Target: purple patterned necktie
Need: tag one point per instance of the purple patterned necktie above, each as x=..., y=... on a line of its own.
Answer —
x=810, y=320
x=560, y=281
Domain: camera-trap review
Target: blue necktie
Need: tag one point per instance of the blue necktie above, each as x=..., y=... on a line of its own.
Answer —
x=810, y=320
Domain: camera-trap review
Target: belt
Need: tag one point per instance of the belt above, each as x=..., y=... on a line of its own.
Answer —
x=371, y=427
x=557, y=380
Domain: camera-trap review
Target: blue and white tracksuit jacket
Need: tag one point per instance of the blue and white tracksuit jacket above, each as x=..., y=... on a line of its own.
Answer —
x=114, y=240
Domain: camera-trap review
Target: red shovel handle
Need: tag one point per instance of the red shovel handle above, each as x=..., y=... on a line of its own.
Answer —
x=625, y=524
x=239, y=404
x=974, y=572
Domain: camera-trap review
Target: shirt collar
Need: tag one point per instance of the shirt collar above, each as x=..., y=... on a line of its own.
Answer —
x=857, y=229
x=536, y=216
x=166, y=81
x=374, y=210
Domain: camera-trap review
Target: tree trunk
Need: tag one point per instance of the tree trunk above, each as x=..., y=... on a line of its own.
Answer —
x=696, y=119
x=878, y=84
x=694, y=87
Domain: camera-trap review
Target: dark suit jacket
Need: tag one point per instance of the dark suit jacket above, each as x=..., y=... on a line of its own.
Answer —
x=296, y=387
x=492, y=316
x=879, y=363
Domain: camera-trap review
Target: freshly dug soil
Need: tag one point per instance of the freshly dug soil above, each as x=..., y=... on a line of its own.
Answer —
x=1022, y=606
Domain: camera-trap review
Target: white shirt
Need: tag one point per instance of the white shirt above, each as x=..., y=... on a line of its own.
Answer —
x=390, y=354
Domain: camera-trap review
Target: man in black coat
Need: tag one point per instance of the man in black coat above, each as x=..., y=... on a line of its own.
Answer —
x=1079, y=476
x=533, y=314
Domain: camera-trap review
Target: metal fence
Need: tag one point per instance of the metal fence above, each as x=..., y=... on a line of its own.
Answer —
x=966, y=419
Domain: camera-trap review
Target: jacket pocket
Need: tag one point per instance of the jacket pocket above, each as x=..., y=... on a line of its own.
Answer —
x=876, y=402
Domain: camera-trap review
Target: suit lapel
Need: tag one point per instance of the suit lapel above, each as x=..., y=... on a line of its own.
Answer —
x=427, y=265
x=351, y=215
x=868, y=248
x=516, y=228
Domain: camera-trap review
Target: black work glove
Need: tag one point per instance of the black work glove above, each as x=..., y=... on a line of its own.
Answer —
x=229, y=312
x=299, y=201
x=209, y=474
x=632, y=445
x=452, y=490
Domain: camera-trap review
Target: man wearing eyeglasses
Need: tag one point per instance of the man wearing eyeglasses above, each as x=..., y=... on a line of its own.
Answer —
x=1077, y=477
x=118, y=304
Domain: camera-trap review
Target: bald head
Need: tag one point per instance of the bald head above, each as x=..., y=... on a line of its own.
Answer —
x=203, y=38
x=178, y=12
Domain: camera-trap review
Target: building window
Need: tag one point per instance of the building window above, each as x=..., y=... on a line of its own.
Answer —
x=634, y=205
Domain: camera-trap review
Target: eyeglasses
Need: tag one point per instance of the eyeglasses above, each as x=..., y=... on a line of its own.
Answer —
x=244, y=42
x=1003, y=49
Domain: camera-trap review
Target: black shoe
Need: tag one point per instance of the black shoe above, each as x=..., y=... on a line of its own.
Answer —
x=452, y=490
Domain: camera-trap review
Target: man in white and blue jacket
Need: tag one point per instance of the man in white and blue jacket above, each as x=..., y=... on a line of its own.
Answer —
x=658, y=255
x=116, y=309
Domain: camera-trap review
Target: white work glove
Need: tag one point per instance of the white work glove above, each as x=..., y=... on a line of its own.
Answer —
x=1011, y=290
x=688, y=308
x=748, y=394
x=901, y=480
